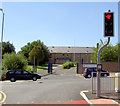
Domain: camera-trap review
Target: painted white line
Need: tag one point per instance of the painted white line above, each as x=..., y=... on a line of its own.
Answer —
x=85, y=97
x=115, y=101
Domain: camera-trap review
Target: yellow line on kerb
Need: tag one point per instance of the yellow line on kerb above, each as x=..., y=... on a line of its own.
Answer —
x=3, y=98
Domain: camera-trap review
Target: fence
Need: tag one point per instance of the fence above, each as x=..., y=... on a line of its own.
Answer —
x=107, y=83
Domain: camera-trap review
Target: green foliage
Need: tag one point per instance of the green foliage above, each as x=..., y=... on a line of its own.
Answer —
x=37, y=53
x=14, y=61
x=7, y=47
x=109, y=53
x=29, y=47
x=76, y=62
x=67, y=65
x=94, y=55
x=3, y=72
x=30, y=68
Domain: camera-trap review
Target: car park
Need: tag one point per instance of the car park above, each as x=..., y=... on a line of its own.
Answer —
x=20, y=74
x=88, y=72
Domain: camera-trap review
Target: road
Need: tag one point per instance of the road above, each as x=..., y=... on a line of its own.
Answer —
x=61, y=86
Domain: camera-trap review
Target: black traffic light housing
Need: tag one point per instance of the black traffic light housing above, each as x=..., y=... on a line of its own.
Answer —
x=109, y=24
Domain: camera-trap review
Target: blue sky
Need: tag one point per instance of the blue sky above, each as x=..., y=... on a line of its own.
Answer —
x=57, y=23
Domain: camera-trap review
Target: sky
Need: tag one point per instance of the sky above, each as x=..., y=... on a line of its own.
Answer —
x=78, y=24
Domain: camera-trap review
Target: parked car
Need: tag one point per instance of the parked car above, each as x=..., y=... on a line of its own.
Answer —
x=88, y=72
x=19, y=74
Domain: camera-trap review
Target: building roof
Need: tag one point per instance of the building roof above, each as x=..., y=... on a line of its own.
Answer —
x=54, y=49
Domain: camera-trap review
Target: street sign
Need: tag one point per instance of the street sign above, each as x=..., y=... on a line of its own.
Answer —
x=99, y=67
x=89, y=65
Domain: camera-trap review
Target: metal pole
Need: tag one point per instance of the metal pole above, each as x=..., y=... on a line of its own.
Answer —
x=92, y=83
x=98, y=73
x=1, y=43
x=34, y=65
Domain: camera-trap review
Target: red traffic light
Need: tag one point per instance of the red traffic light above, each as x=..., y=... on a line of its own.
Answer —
x=108, y=16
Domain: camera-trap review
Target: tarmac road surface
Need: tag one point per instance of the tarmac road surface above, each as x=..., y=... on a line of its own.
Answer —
x=62, y=86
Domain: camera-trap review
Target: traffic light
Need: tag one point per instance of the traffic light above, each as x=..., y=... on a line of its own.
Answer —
x=108, y=24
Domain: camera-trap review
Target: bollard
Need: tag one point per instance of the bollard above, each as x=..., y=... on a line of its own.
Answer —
x=51, y=68
x=77, y=68
x=48, y=67
x=117, y=82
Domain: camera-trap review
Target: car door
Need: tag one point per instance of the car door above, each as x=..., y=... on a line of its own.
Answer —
x=95, y=72
x=18, y=75
x=26, y=75
x=90, y=70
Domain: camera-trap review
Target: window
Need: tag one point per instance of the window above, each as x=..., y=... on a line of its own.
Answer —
x=74, y=55
x=86, y=61
x=78, y=55
x=25, y=72
x=50, y=55
x=11, y=72
x=90, y=69
x=95, y=69
x=63, y=55
x=67, y=55
x=18, y=72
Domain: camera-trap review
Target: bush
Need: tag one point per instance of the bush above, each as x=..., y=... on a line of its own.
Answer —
x=67, y=65
x=3, y=72
x=14, y=61
x=76, y=62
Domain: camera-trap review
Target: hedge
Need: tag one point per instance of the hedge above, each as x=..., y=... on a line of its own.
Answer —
x=67, y=65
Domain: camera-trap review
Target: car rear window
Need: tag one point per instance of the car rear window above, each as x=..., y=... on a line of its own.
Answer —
x=11, y=72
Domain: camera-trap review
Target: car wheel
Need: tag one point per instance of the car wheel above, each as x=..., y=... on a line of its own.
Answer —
x=105, y=75
x=89, y=76
x=12, y=79
x=34, y=78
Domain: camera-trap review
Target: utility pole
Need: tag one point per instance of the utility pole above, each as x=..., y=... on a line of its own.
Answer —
x=1, y=42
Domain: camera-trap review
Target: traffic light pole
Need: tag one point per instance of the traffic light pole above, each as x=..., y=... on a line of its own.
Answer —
x=98, y=73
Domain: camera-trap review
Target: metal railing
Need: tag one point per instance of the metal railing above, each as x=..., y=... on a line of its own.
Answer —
x=107, y=83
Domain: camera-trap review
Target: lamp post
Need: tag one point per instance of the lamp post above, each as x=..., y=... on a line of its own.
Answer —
x=1, y=41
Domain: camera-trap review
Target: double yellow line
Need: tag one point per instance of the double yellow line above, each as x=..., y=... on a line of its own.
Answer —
x=2, y=97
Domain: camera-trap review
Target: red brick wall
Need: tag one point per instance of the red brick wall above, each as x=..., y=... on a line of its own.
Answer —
x=108, y=66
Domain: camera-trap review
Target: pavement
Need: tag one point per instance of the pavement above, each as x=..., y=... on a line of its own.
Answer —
x=93, y=100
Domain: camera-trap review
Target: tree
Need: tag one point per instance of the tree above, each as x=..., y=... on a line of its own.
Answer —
x=36, y=53
x=109, y=53
x=27, y=49
x=7, y=47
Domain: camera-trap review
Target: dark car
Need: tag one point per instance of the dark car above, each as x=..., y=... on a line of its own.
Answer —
x=14, y=75
x=88, y=72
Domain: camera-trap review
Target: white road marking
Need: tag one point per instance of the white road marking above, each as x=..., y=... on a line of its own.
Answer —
x=85, y=97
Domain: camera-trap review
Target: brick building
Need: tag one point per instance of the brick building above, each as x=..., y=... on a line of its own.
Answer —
x=60, y=55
